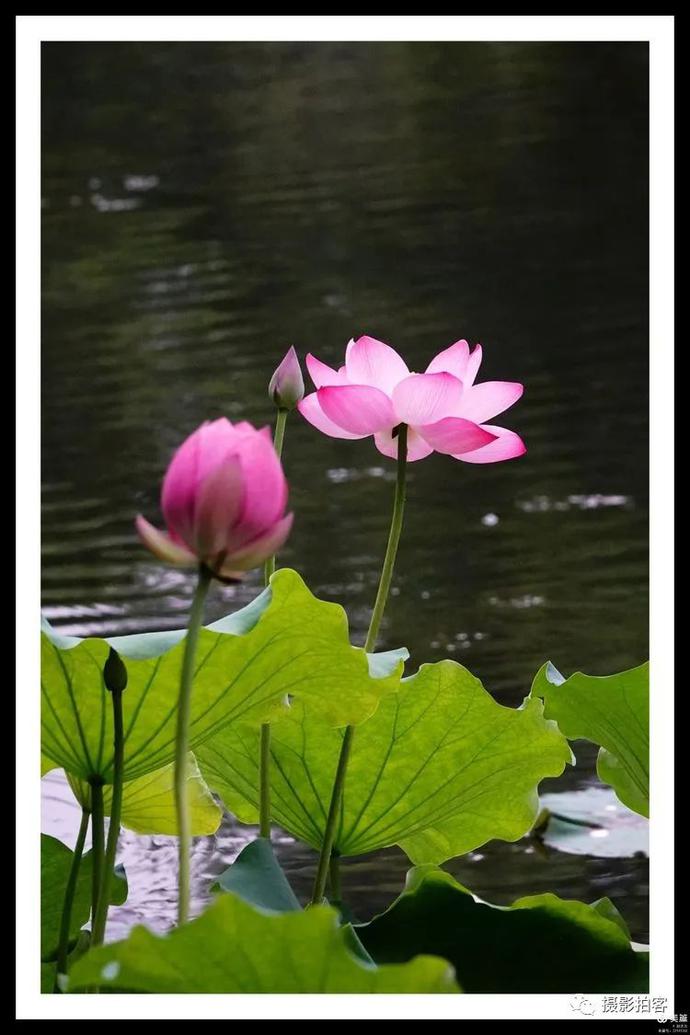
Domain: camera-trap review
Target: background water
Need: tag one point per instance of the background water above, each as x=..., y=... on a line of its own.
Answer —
x=207, y=205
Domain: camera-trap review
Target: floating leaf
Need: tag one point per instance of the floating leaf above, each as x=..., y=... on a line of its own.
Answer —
x=148, y=803
x=287, y=642
x=56, y=862
x=541, y=944
x=440, y=769
x=612, y=711
x=593, y=822
x=233, y=947
x=257, y=877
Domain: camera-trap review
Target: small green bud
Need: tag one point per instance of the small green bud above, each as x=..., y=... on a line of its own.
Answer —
x=115, y=673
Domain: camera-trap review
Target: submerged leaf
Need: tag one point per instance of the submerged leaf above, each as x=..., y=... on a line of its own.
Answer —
x=612, y=711
x=233, y=947
x=287, y=642
x=440, y=769
x=541, y=944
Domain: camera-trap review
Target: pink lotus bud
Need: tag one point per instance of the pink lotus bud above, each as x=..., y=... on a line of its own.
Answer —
x=286, y=387
x=223, y=501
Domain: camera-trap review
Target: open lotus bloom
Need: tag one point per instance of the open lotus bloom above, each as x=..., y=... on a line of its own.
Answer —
x=444, y=409
x=223, y=500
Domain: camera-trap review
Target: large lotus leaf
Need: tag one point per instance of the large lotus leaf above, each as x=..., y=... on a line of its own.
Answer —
x=440, y=769
x=233, y=947
x=541, y=944
x=56, y=862
x=148, y=803
x=291, y=643
x=612, y=711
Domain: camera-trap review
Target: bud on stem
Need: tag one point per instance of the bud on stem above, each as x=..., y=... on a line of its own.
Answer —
x=115, y=673
x=286, y=387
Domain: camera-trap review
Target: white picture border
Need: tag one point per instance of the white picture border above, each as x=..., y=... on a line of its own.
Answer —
x=31, y=31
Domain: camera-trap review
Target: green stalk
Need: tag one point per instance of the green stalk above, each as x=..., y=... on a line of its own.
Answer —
x=370, y=643
x=392, y=546
x=265, y=781
x=182, y=741
x=265, y=741
x=70, y=888
x=97, y=838
x=114, y=829
x=278, y=438
x=334, y=878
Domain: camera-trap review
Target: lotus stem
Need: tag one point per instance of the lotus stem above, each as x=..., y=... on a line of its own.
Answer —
x=278, y=439
x=97, y=840
x=334, y=878
x=265, y=736
x=98, y=931
x=370, y=643
x=68, y=900
x=182, y=741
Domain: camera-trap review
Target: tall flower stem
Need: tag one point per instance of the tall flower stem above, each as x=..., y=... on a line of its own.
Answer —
x=370, y=643
x=265, y=781
x=98, y=931
x=392, y=545
x=334, y=878
x=265, y=741
x=182, y=741
x=278, y=439
x=70, y=888
x=97, y=839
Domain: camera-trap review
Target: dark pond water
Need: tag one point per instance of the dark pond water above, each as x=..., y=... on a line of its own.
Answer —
x=207, y=205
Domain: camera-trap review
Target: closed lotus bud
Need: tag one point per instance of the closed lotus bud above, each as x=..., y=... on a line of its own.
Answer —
x=115, y=673
x=286, y=387
x=223, y=500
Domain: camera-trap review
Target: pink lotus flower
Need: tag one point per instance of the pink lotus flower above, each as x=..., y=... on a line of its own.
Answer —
x=223, y=501
x=445, y=410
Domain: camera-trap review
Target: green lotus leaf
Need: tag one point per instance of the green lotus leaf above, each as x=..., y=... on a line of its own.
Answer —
x=256, y=877
x=286, y=642
x=49, y=969
x=611, y=711
x=606, y=908
x=56, y=862
x=148, y=803
x=232, y=947
x=440, y=769
x=541, y=944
